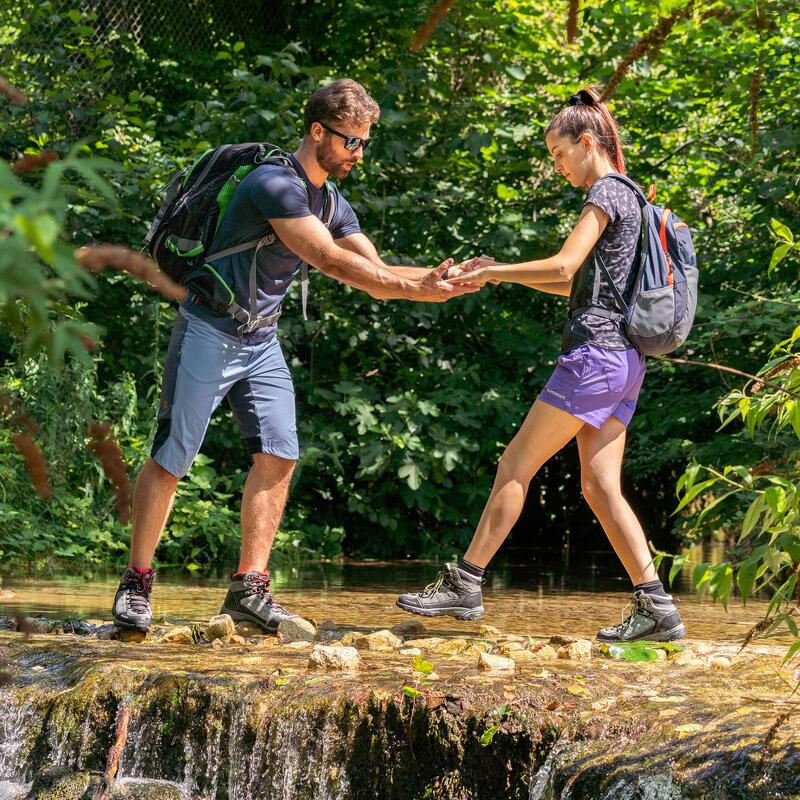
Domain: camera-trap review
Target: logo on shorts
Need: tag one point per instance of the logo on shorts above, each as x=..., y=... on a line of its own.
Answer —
x=560, y=396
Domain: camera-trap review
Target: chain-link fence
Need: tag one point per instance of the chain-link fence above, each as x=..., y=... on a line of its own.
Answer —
x=178, y=25
x=102, y=35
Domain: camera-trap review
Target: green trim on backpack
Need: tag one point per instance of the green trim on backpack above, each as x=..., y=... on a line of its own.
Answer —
x=222, y=281
x=229, y=189
x=191, y=170
x=195, y=251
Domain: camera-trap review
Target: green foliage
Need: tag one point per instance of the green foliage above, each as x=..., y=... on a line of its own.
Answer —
x=403, y=408
x=760, y=503
x=638, y=651
x=39, y=277
x=501, y=713
x=422, y=666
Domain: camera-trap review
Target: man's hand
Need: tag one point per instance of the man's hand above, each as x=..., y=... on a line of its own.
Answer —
x=474, y=272
x=465, y=266
x=433, y=288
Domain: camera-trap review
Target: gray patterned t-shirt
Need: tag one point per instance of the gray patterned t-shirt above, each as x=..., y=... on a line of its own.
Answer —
x=617, y=247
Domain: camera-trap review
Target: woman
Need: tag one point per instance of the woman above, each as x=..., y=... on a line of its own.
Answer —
x=592, y=394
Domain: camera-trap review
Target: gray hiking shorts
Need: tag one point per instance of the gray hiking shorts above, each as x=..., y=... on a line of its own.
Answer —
x=205, y=365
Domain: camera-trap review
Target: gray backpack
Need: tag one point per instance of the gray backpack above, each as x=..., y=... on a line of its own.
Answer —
x=663, y=301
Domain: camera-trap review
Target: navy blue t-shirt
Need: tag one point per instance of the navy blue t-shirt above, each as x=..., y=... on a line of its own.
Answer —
x=268, y=192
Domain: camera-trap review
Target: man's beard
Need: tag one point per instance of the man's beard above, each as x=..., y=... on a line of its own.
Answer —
x=330, y=162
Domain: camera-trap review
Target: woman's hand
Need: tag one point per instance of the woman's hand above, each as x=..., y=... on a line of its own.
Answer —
x=477, y=277
x=460, y=269
x=477, y=271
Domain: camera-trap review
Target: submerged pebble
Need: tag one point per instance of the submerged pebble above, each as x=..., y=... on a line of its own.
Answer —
x=296, y=629
x=339, y=658
x=495, y=664
x=719, y=662
x=220, y=627
x=379, y=640
x=579, y=649
x=409, y=628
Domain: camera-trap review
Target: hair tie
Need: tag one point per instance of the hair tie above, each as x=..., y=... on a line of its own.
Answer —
x=576, y=100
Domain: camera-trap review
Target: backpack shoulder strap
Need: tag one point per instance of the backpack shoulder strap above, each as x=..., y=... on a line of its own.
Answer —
x=329, y=207
x=640, y=195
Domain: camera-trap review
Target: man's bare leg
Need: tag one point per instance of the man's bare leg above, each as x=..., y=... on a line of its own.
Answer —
x=249, y=598
x=263, y=502
x=152, y=503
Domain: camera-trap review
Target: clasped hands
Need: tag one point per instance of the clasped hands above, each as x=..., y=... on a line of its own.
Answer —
x=450, y=280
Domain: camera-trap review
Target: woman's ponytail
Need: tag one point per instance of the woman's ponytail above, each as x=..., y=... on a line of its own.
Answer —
x=586, y=112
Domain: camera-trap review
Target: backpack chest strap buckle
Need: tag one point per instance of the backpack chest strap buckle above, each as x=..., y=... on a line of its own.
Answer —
x=256, y=323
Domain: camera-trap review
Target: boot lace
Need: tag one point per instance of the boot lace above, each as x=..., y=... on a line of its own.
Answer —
x=256, y=583
x=446, y=577
x=636, y=606
x=139, y=585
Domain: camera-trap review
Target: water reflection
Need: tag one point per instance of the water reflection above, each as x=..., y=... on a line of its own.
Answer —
x=551, y=594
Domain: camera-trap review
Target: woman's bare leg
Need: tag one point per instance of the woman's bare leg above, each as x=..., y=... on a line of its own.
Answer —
x=545, y=431
x=601, y=454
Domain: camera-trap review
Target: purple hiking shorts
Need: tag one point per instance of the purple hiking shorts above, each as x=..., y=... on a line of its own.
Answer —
x=593, y=384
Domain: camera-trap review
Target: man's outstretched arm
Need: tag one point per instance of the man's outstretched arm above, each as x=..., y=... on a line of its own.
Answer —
x=311, y=241
x=359, y=243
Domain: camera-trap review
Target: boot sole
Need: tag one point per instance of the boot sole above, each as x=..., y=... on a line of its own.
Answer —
x=130, y=626
x=243, y=616
x=678, y=632
x=459, y=612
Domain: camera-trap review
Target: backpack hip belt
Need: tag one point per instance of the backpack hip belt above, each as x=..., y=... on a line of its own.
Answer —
x=250, y=320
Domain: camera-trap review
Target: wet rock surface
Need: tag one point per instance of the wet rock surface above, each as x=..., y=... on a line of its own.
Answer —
x=414, y=715
x=345, y=659
x=220, y=627
x=296, y=629
x=58, y=783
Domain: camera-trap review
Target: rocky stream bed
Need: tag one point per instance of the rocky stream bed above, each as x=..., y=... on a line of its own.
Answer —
x=328, y=712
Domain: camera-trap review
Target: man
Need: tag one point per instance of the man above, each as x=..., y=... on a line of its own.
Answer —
x=208, y=359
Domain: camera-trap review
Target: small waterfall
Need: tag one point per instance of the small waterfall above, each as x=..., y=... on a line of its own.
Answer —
x=542, y=785
x=143, y=751
x=20, y=722
x=213, y=753
x=190, y=765
x=87, y=732
x=240, y=765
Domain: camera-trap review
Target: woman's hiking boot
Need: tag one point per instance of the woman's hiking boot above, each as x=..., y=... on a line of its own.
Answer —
x=131, y=609
x=250, y=600
x=653, y=618
x=454, y=593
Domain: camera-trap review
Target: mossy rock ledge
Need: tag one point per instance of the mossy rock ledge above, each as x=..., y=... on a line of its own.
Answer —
x=253, y=721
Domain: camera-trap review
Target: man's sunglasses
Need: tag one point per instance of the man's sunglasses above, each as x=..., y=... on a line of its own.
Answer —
x=350, y=142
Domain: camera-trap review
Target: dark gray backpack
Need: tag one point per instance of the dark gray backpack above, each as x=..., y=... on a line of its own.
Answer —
x=197, y=197
x=663, y=301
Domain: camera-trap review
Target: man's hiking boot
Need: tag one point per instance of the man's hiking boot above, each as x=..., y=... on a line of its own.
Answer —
x=653, y=618
x=131, y=610
x=454, y=593
x=250, y=600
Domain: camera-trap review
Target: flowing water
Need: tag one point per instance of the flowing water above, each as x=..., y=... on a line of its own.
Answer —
x=212, y=724
x=549, y=596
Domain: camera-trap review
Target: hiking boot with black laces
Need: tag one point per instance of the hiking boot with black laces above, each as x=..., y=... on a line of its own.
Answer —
x=653, y=618
x=454, y=593
x=131, y=610
x=250, y=600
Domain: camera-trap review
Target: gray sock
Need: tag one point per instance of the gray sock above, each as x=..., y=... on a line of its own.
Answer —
x=654, y=589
